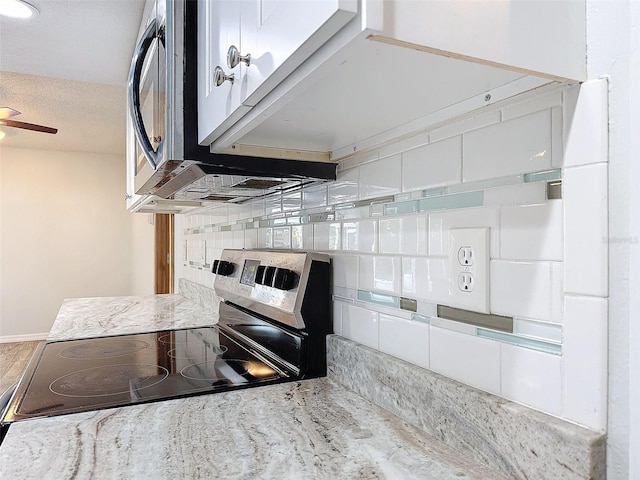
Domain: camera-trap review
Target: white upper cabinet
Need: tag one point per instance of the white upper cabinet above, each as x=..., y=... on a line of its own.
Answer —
x=323, y=85
x=218, y=105
x=270, y=39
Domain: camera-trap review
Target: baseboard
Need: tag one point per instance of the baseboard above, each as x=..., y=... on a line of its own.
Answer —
x=23, y=338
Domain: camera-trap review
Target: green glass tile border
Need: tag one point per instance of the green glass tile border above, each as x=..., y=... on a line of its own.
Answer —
x=539, y=345
x=462, y=195
x=401, y=208
x=454, y=200
x=543, y=176
x=379, y=299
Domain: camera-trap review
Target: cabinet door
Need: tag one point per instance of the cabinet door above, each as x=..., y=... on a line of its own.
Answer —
x=218, y=106
x=281, y=34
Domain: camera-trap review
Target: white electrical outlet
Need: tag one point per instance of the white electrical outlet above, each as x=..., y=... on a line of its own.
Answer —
x=469, y=263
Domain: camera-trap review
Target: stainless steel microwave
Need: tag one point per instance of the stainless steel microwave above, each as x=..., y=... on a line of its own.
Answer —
x=162, y=111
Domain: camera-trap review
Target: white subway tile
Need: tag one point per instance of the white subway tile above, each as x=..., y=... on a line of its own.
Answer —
x=281, y=237
x=585, y=361
x=532, y=105
x=345, y=188
x=238, y=239
x=380, y=178
x=406, y=235
x=405, y=339
x=352, y=213
x=302, y=237
x=273, y=205
x=432, y=165
x=526, y=289
x=453, y=326
x=227, y=239
x=532, y=232
x=586, y=230
x=466, y=125
x=326, y=236
x=257, y=208
x=586, y=124
x=314, y=196
x=265, y=238
x=508, y=148
x=426, y=279
x=378, y=273
x=345, y=271
x=360, y=236
x=468, y=359
x=536, y=329
x=360, y=325
x=511, y=195
x=532, y=378
x=441, y=222
x=337, y=317
x=251, y=238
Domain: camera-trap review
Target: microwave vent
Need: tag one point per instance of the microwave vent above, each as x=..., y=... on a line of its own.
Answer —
x=259, y=183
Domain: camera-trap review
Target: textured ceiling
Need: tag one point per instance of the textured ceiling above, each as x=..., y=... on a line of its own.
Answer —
x=67, y=68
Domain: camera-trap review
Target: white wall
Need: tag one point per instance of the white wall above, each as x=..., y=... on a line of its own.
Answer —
x=613, y=52
x=468, y=173
x=142, y=254
x=64, y=232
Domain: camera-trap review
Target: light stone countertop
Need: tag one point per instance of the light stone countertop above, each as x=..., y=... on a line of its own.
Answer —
x=311, y=429
x=106, y=316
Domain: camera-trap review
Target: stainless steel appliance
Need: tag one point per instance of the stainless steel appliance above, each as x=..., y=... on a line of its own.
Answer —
x=162, y=103
x=272, y=328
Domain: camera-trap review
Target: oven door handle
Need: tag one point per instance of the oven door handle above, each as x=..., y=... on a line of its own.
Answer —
x=133, y=87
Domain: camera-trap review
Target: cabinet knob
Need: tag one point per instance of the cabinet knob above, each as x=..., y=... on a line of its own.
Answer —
x=234, y=57
x=219, y=77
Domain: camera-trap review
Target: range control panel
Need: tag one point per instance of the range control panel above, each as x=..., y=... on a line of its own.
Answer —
x=270, y=282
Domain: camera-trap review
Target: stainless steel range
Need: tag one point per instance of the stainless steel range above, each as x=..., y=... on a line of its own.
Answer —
x=272, y=328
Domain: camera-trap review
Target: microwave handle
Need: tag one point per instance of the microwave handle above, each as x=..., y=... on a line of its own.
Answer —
x=133, y=87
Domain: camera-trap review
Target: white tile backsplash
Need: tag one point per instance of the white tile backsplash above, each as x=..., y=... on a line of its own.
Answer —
x=379, y=273
x=538, y=247
x=532, y=232
x=426, y=279
x=508, y=148
x=345, y=189
x=405, y=339
x=432, y=165
x=441, y=222
x=586, y=236
x=381, y=178
x=472, y=360
x=525, y=289
x=585, y=361
x=406, y=235
x=532, y=378
x=345, y=271
x=360, y=236
x=360, y=325
x=326, y=236
x=586, y=124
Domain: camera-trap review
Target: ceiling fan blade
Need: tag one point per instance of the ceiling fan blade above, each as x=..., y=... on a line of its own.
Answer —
x=6, y=112
x=28, y=126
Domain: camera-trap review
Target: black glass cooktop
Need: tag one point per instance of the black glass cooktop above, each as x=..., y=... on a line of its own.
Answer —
x=79, y=375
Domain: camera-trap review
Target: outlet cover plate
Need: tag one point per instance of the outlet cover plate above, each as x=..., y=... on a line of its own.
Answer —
x=473, y=242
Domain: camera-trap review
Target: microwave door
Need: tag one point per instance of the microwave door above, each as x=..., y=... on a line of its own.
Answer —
x=144, y=96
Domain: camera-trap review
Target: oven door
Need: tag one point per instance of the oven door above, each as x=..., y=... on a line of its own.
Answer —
x=146, y=96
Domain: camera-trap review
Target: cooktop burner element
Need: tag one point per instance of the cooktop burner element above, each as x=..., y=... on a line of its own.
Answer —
x=107, y=380
x=271, y=329
x=104, y=349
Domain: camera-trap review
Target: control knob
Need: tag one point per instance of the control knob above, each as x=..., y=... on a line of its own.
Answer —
x=224, y=268
x=284, y=279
